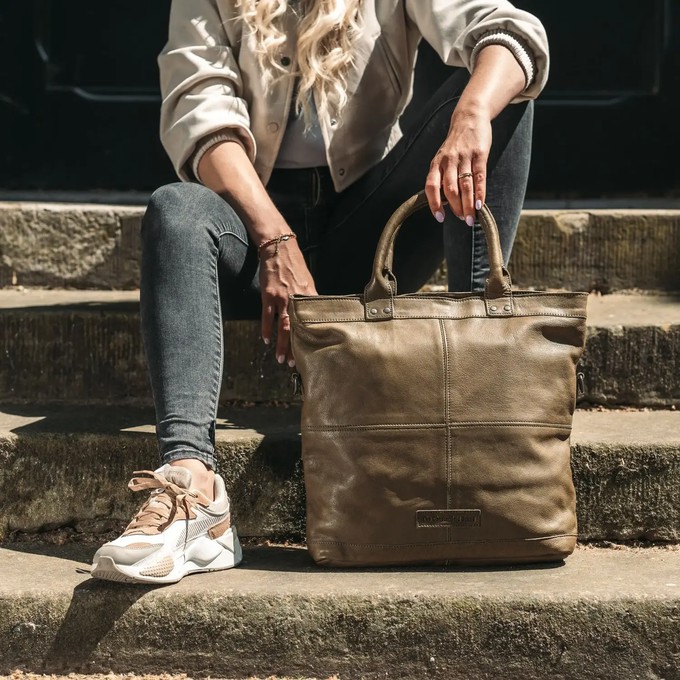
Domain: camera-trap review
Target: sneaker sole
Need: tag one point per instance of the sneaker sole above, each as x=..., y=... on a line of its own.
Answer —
x=191, y=561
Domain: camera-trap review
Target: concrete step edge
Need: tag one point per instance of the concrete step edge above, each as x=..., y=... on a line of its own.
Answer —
x=629, y=309
x=277, y=613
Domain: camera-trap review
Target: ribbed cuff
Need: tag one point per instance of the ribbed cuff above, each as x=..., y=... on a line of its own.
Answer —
x=516, y=45
x=226, y=135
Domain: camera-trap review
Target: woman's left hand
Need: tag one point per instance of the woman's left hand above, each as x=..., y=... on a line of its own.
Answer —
x=459, y=167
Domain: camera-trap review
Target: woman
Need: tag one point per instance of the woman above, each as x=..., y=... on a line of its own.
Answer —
x=282, y=118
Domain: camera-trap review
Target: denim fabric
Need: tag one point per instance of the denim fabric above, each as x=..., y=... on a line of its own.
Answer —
x=198, y=267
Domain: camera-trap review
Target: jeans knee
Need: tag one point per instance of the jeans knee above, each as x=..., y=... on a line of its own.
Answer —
x=175, y=208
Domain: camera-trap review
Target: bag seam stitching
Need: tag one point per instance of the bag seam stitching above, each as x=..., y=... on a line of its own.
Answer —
x=447, y=418
x=310, y=322
x=439, y=543
x=438, y=426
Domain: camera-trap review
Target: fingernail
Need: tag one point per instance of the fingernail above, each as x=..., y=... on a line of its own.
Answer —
x=266, y=341
x=470, y=221
x=439, y=216
x=280, y=358
x=291, y=363
x=478, y=205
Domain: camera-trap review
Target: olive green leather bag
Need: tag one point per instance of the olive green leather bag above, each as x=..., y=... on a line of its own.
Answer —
x=435, y=426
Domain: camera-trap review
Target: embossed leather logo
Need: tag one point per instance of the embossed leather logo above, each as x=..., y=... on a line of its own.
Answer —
x=448, y=518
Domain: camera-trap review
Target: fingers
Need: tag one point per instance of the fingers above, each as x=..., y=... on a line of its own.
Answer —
x=271, y=317
x=443, y=175
x=283, y=352
x=433, y=185
x=479, y=177
x=282, y=274
x=451, y=189
x=267, y=319
x=462, y=177
x=467, y=193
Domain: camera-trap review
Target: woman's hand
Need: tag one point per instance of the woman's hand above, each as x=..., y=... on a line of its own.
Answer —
x=459, y=167
x=226, y=169
x=282, y=273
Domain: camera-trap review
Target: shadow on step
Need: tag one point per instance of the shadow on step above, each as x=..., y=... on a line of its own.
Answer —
x=296, y=559
x=95, y=609
x=85, y=456
x=32, y=419
x=78, y=553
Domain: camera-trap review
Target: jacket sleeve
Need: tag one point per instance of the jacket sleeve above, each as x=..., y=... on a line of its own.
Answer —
x=201, y=85
x=454, y=27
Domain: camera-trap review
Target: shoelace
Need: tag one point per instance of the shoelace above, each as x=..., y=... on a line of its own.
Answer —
x=162, y=506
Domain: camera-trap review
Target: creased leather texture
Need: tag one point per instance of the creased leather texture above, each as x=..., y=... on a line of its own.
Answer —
x=435, y=426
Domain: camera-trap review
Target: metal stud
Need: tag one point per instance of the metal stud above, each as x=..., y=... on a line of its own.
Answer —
x=493, y=308
x=387, y=310
x=372, y=310
x=507, y=308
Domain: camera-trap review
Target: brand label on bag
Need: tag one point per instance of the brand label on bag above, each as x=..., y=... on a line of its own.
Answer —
x=448, y=518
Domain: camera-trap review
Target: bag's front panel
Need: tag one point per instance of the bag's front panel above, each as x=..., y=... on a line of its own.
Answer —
x=364, y=488
x=517, y=477
x=454, y=493
x=429, y=439
x=372, y=374
x=514, y=369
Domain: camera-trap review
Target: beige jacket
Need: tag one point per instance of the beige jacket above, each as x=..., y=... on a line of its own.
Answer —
x=210, y=78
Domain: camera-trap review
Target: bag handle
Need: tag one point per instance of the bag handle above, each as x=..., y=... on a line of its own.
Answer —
x=381, y=289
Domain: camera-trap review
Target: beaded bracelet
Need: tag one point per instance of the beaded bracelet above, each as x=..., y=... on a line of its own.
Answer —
x=278, y=240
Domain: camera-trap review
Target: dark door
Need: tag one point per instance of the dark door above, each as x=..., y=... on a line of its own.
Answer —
x=79, y=96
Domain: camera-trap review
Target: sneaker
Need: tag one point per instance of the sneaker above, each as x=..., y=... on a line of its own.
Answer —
x=178, y=531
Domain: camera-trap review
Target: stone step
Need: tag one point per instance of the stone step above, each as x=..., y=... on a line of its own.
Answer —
x=97, y=246
x=85, y=347
x=602, y=614
x=67, y=469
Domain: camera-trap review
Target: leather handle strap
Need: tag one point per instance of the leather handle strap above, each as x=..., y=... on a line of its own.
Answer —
x=381, y=289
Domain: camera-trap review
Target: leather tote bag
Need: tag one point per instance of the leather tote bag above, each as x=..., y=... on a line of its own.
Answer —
x=435, y=426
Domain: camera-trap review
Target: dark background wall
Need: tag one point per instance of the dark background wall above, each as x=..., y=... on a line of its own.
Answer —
x=79, y=97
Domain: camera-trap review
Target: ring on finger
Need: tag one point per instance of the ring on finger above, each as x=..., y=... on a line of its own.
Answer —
x=465, y=174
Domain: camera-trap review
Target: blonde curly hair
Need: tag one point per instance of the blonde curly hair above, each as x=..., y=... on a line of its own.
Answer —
x=327, y=31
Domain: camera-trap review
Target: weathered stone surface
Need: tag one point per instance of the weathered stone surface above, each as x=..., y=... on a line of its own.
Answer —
x=638, y=366
x=626, y=468
x=55, y=244
x=604, y=250
x=97, y=246
x=69, y=468
x=633, y=350
x=85, y=347
x=601, y=615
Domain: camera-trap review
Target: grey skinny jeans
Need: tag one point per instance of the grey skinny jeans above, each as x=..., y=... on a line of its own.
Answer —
x=198, y=267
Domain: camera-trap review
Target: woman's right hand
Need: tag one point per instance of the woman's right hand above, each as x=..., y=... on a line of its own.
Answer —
x=282, y=273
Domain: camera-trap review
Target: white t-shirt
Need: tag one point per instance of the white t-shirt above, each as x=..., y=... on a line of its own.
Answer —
x=300, y=149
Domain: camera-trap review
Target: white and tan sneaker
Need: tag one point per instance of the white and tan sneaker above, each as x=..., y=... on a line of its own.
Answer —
x=178, y=531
